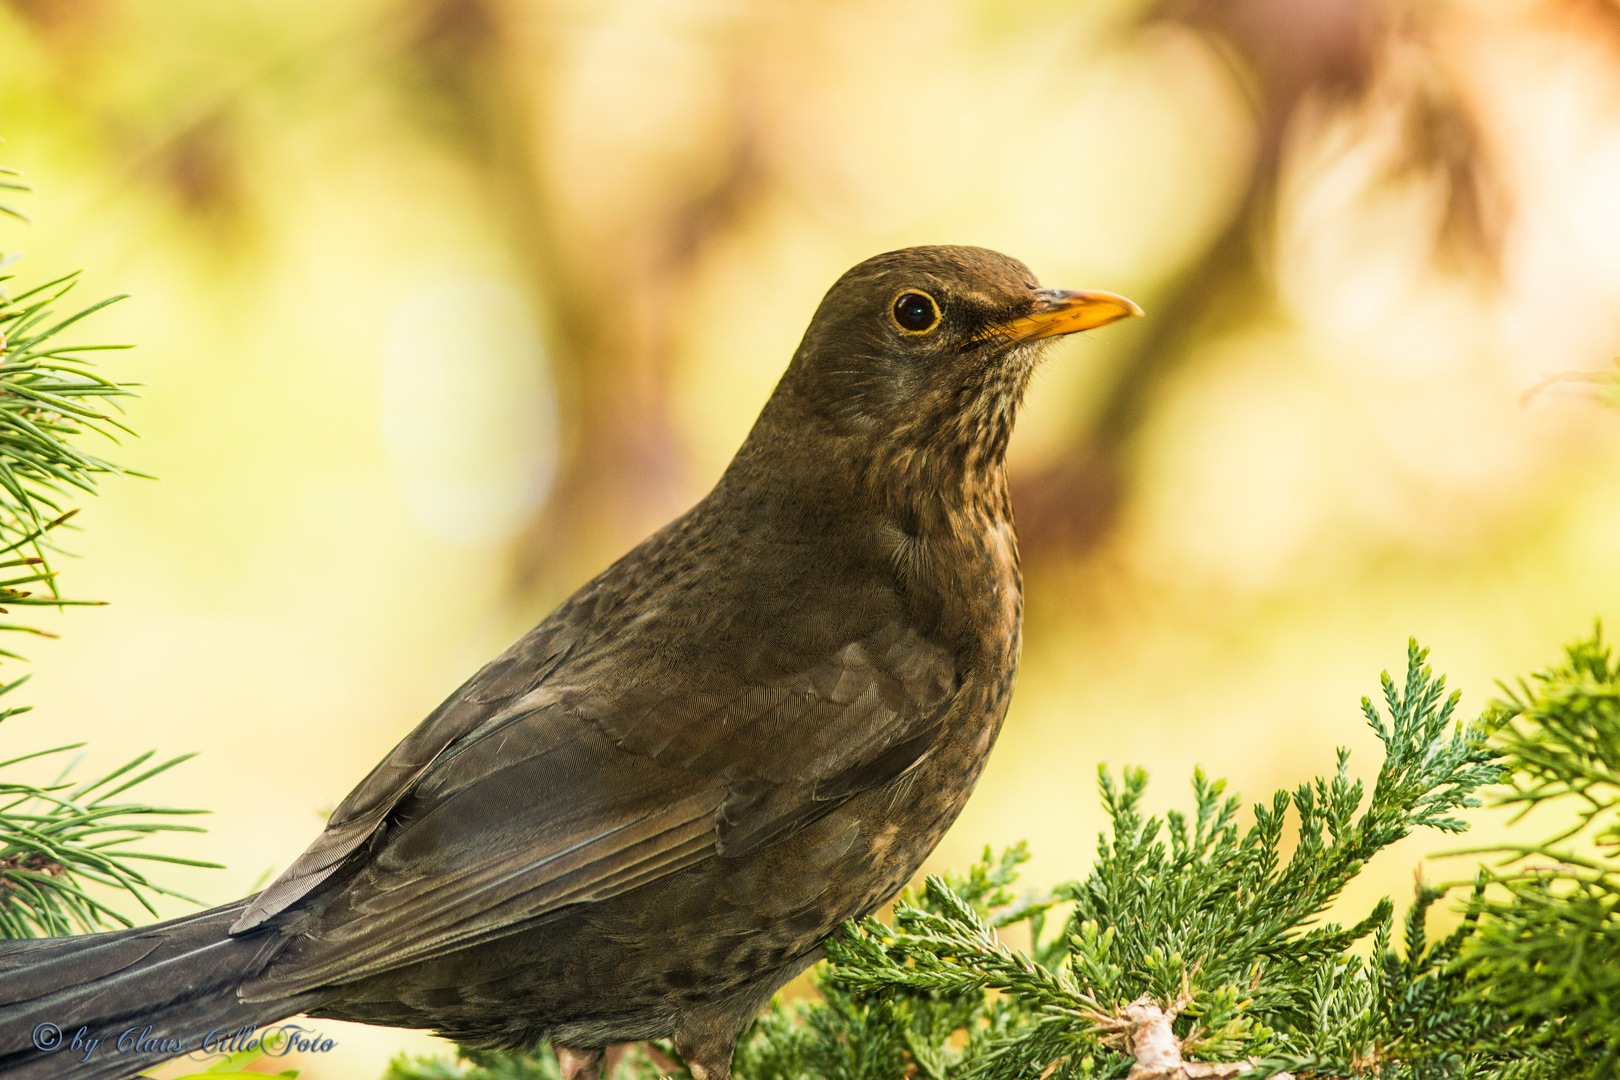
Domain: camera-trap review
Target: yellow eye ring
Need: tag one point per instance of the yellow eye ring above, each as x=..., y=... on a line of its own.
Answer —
x=914, y=312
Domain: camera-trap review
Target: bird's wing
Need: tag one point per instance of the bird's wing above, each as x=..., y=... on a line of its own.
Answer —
x=568, y=784
x=793, y=740
x=519, y=671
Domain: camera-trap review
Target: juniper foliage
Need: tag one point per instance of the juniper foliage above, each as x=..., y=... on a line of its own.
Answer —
x=1547, y=949
x=1192, y=911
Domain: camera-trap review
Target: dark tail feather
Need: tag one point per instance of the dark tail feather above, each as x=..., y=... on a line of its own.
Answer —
x=162, y=989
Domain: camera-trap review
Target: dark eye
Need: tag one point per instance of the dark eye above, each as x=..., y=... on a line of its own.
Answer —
x=916, y=312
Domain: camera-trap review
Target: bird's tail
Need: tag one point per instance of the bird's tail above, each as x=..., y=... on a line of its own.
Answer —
x=108, y=1005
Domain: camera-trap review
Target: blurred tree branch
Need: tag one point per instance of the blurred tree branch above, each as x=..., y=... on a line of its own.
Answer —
x=1298, y=64
x=610, y=292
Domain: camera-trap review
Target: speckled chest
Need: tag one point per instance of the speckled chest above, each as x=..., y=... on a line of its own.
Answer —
x=858, y=856
x=901, y=822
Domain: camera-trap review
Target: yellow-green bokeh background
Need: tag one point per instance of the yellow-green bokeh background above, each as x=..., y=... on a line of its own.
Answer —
x=1352, y=462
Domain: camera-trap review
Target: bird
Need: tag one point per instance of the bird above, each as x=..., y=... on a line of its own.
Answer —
x=649, y=813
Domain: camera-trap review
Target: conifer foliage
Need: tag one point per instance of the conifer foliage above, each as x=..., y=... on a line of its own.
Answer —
x=58, y=837
x=1547, y=951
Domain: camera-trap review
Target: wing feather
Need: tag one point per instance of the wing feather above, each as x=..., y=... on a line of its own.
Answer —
x=588, y=760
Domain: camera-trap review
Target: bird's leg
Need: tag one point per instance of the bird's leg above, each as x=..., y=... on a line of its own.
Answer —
x=707, y=1048
x=580, y=1063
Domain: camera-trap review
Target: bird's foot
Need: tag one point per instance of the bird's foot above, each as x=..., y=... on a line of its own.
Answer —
x=580, y=1063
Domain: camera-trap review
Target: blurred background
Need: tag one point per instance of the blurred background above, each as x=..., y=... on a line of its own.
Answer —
x=443, y=304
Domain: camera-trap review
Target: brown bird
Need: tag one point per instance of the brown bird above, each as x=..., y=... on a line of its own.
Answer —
x=646, y=815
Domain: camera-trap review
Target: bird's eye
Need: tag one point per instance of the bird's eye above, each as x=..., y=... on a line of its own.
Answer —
x=916, y=312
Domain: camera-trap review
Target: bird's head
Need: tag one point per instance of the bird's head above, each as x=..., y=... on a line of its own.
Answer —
x=923, y=355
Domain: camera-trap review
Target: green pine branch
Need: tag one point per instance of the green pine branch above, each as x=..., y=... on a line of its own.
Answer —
x=50, y=395
x=56, y=837
x=62, y=843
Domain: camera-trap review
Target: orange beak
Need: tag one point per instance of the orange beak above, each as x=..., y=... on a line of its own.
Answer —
x=1066, y=312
